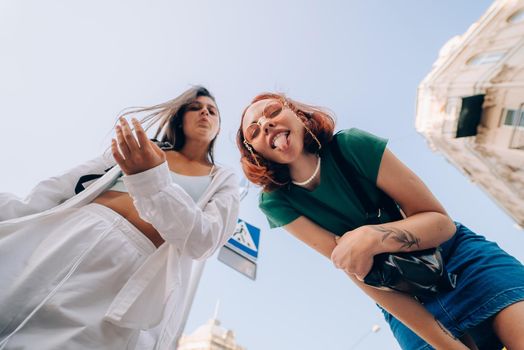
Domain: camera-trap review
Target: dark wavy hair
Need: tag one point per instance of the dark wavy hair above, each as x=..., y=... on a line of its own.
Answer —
x=170, y=118
x=271, y=175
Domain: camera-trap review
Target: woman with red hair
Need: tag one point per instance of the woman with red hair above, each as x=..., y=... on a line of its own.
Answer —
x=288, y=149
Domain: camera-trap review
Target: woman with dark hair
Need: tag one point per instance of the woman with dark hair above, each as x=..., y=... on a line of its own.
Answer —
x=289, y=149
x=108, y=266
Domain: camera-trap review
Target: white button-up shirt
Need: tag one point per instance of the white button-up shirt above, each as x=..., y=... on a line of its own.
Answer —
x=154, y=296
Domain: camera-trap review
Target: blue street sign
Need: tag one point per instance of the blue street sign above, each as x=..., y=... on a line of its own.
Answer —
x=245, y=239
x=241, y=250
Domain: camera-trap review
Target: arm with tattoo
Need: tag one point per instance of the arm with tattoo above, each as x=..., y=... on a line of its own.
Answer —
x=405, y=238
x=417, y=232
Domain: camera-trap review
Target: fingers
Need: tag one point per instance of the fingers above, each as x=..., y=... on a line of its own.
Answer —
x=135, y=154
x=128, y=136
x=144, y=141
x=141, y=135
x=121, y=142
x=360, y=277
x=116, y=154
x=358, y=266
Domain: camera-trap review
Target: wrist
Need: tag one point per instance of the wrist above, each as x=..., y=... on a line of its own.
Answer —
x=148, y=182
x=375, y=244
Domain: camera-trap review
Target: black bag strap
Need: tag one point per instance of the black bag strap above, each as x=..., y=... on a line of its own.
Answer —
x=86, y=178
x=373, y=213
x=164, y=145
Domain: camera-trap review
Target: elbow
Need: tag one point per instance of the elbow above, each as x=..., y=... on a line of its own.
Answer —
x=207, y=241
x=447, y=227
x=197, y=247
x=206, y=254
x=204, y=242
x=207, y=234
x=202, y=250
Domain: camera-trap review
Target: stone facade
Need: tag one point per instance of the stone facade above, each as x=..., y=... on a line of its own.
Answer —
x=210, y=336
x=470, y=106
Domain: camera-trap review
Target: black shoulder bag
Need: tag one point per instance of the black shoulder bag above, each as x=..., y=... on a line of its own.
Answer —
x=420, y=273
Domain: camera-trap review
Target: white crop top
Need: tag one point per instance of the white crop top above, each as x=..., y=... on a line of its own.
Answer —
x=193, y=185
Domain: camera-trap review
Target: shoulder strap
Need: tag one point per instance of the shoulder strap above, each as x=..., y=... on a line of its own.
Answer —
x=351, y=175
x=86, y=178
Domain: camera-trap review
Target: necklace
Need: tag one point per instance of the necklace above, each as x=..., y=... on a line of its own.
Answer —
x=306, y=182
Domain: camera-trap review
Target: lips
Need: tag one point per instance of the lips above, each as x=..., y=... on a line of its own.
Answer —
x=279, y=140
x=204, y=121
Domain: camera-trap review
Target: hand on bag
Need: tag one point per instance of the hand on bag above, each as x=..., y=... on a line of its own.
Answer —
x=354, y=252
x=135, y=154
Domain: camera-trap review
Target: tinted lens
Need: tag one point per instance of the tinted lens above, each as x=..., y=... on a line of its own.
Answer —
x=272, y=109
x=252, y=132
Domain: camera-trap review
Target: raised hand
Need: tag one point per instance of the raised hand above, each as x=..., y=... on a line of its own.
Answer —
x=135, y=154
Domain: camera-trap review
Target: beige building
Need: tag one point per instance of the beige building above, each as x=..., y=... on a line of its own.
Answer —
x=470, y=106
x=210, y=336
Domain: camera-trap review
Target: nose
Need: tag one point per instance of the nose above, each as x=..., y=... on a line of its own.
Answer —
x=204, y=111
x=266, y=124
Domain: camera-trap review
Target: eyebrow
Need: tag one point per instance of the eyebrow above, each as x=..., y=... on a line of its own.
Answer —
x=209, y=105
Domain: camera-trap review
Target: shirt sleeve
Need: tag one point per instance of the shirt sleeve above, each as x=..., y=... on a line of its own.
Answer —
x=277, y=209
x=51, y=192
x=364, y=150
x=199, y=232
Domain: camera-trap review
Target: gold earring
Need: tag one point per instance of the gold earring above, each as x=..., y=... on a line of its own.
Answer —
x=248, y=146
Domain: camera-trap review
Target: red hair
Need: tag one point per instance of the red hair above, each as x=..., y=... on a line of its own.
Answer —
x=271, y=175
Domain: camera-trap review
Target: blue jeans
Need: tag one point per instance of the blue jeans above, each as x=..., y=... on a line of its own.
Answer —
x=488, y=280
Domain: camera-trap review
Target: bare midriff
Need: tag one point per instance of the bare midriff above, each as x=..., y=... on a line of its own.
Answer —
x=122, y=203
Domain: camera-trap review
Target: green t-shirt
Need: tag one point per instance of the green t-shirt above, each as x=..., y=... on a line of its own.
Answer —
x=332, y=204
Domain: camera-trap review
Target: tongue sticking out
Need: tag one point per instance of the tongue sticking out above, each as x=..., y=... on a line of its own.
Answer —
x=280, y=142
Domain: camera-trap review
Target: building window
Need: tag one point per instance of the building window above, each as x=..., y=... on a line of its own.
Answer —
x=512, y=118
x=469, y=115
x=516, y=17
x=485, y=58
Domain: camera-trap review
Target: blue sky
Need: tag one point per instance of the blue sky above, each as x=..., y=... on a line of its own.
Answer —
x=67, y=69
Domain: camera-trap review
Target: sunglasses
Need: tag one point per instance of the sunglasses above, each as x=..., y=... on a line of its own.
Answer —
x=271, y=110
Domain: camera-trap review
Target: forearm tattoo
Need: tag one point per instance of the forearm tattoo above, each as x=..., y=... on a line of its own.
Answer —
x=404, y=237
x=448, y=333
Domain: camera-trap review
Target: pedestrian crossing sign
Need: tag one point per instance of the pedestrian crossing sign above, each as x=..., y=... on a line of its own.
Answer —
x=245, y=238
x=241, y=250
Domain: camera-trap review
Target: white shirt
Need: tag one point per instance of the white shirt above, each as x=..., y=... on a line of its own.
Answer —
x=155, y=293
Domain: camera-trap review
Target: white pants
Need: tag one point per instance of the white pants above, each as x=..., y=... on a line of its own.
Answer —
x=60, y=273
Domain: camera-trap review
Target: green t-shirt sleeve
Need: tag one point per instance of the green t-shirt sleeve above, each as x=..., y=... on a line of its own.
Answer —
x=277, y=209
x=364, y=150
